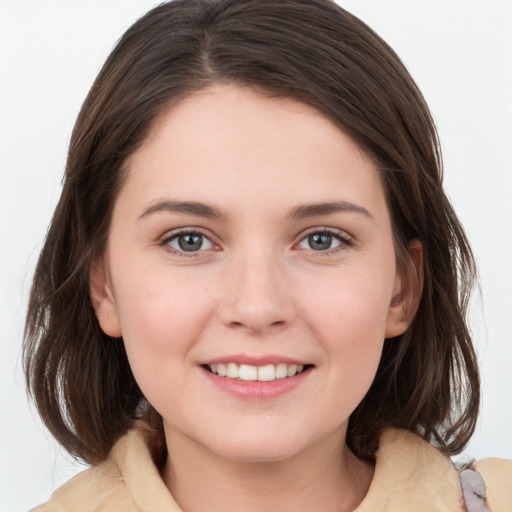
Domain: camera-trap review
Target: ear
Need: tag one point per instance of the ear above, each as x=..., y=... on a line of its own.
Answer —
x=103, y=299
x=408, y=290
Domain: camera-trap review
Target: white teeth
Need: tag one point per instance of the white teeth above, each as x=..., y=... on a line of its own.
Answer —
x=247, y=372
x=221, y=369
x=281, y=371
x=292, y=370
x=232, y=371
x=265, y=373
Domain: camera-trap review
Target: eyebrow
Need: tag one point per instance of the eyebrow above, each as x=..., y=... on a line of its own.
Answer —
x=186, y=207
x=205, y=210
x=318, y=209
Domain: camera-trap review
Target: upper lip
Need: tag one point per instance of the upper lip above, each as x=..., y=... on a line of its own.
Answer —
x=255, y=360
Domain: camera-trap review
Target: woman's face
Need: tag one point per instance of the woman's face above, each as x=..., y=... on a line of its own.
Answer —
x=251, y=237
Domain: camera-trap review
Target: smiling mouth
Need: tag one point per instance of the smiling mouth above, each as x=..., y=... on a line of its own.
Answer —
x=267, y=373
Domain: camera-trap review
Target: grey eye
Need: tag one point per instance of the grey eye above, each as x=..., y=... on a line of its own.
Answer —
x=190, y=242
x=320, y=242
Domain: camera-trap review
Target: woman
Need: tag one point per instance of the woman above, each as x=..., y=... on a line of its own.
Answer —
x=253, y=233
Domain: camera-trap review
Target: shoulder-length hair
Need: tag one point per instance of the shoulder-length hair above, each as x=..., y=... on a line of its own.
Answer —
x=309, y=50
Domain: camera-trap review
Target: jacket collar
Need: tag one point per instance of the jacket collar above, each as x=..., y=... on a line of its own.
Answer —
x=410, y=474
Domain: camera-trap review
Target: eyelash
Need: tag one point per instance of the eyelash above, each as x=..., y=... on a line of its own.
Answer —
x=344, y=238
x=180, y=253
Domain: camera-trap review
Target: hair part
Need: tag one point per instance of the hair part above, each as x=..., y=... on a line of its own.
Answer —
x=317, y=53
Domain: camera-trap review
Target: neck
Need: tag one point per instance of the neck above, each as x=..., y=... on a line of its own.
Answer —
x=326, y=477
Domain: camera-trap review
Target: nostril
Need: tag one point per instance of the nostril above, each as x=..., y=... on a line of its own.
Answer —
x=257, y=326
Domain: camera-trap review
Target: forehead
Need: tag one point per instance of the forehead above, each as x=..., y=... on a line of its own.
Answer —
x=228, y=142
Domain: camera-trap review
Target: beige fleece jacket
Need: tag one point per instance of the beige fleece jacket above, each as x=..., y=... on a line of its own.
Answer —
x=410, y=476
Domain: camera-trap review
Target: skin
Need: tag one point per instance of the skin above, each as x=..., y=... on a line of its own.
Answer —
x=257, y=286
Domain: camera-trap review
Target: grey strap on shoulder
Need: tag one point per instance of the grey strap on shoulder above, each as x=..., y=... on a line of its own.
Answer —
x=474, y=491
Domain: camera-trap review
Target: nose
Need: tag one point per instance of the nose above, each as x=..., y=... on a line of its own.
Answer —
x=258, y=296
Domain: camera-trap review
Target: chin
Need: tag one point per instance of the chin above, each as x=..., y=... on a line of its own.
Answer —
x=258, y=452
x=258, y=445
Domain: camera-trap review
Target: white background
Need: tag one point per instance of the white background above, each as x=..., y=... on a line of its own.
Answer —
x=460, y=53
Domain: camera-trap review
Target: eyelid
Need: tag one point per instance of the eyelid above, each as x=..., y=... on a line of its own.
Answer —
x=343, y=236
x=346, y=239
x=337, y=232
x=172, y=234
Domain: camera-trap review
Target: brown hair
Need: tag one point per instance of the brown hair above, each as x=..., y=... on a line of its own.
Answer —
x=310, y=50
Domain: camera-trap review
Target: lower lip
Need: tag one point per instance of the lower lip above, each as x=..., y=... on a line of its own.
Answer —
x=257, y=389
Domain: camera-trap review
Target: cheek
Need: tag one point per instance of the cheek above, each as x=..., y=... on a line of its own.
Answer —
x=352, y=335
x=348, y=316
x=162, y=315
x=351, y=304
